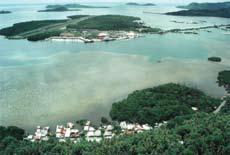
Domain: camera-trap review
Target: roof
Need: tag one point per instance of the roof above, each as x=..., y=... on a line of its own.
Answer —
x=97, y=133
x=102, y=34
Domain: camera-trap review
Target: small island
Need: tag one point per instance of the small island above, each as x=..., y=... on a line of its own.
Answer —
x=204, y=9
x=59, y=9
x=80, y=28
x=5, y=12
x=214, y=59
x=69, y=6
x=138, y=4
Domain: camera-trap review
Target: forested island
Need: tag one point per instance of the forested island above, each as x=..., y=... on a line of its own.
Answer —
x=4, y=12
x=206, y=6
x=225, y=13
x=204, y=9
x=58, y=9
x=74, y=6
x=116, y=26
x=191, y=127
x=138, y=4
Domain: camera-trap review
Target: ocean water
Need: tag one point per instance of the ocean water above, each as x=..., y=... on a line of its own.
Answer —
x=48, y=83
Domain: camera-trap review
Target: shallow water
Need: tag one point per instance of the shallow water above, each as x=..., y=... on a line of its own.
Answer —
x=46, y=83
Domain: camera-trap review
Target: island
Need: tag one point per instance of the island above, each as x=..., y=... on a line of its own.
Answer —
x=206, y=6
x=204, y=9
x=192, y=128
x=58, y=9
x=74, y=6
x=4, y=12
x=214, y=59
x=80, y=28
x=224, y=13
x=138, y=4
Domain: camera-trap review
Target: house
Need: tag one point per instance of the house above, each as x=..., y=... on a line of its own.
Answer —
x=108, y=134
x=194, y=108
x=74, y=133
x=60, y=131
x=41, y=133
x=102, y=35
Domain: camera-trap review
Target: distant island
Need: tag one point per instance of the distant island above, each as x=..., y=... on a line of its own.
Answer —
x=82, y=28
x=5, y=12
x=204, y=9
x=224, y=13
x=206, y=6
x=69, y=6
x=138, y=4
x=58, y=9
x=214, y=59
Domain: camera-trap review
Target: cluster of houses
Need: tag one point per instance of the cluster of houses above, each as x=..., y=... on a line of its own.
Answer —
x=88, y=132
x=100, y=36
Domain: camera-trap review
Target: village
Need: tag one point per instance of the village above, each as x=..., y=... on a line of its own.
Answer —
x=89, y=132
x=94, y=36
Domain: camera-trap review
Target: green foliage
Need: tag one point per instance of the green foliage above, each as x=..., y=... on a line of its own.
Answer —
x=223, y=79
x=44, y=35
x=77, y=16
x=11, y=131
x=215, y=59
x=104, y=120
x=108, y=22
x=162, y=103
x=18, y=28
x=225, y=13
x=226, y=108
x=204, y=134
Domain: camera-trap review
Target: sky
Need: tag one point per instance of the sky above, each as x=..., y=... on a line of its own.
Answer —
x=82, y=1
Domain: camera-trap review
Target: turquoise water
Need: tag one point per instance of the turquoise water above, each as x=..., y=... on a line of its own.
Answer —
x=45, y=83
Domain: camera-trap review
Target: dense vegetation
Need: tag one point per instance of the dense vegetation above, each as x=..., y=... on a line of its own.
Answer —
x=201, y=134
x=109, y=22
x=204, y=9
x=189, y=133
x=223, y=79
x=58, y=9
x=18, y=28
x=225, y=13
x=162, y=103
x=215, y=59
x=207, y=6
x=226, y=108
x=44, y=35
x=11, y=131
x=74, y=6
x=77, y=16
